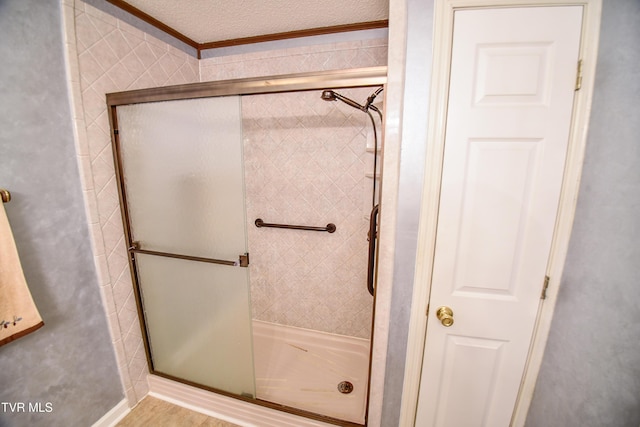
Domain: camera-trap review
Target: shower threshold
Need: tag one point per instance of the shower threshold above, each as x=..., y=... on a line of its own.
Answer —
x=306, y=369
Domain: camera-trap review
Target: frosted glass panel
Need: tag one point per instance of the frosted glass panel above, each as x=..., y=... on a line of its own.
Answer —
x=198, y=322
x=183, y=176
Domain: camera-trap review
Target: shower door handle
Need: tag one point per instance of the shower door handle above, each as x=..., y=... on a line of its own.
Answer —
x=243, y=260
x=372, y=236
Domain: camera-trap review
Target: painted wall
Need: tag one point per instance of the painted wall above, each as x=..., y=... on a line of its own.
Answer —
x=590, y=374
x=70, y=361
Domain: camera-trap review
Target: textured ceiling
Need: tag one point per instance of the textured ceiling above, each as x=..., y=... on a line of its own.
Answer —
x=215, y=20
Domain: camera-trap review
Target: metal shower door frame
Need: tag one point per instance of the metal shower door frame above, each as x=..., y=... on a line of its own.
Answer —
x=350, y=78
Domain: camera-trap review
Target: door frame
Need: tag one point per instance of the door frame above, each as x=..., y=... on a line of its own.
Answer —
x=442, y=44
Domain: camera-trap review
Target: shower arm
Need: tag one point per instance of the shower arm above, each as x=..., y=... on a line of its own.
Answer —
x=350, y=102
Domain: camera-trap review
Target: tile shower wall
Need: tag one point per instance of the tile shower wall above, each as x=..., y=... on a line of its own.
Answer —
x=108, y=52
x=305, y=163
x=334, y=56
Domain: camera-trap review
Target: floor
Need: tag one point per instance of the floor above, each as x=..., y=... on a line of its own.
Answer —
x=158, y=413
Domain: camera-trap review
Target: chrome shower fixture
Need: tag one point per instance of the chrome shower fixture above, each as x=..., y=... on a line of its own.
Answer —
x=329, y=95
x=371, y=98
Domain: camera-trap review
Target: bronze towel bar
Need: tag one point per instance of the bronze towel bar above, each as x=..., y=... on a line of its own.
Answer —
x=6, y=196
x=243, y=260
x=330, y=228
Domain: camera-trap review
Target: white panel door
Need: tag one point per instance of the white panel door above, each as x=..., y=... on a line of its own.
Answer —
x=511, y=92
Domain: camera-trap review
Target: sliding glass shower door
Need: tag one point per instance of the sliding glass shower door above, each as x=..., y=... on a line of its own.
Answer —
x=182, y=173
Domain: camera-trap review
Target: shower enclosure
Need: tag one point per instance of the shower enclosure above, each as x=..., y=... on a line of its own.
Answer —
x=249, y=211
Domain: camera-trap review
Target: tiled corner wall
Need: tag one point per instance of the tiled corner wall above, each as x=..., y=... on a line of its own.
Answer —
x=107, y=54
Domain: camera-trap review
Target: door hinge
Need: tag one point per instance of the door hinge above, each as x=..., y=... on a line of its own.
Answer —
x=116, y=132
x=545, y=285
x=579, y=76
x=427, y=310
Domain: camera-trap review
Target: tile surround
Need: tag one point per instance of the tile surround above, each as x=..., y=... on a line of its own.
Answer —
x=305, y=163
x=334, y=56
x=106, y=54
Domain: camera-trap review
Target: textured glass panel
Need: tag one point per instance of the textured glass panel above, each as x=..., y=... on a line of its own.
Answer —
x=183, y=173
x=198, y=321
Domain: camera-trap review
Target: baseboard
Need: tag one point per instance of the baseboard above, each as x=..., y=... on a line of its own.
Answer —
x=116, y=414
x=225, y=408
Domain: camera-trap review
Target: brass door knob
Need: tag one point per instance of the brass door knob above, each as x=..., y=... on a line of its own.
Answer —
x=445, y=315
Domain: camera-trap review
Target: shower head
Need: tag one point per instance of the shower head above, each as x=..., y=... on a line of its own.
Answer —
x=329, y=95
